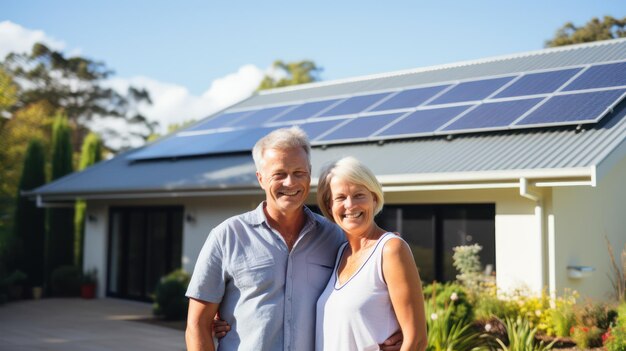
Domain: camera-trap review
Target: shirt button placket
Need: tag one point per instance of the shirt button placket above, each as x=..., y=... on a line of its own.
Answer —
x=288, y=308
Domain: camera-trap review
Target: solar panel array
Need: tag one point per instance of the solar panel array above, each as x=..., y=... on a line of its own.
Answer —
x=562, y=96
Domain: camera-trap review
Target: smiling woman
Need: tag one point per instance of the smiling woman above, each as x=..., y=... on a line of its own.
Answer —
x=375, y=289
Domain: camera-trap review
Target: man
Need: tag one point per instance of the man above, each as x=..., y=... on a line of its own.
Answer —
x=265, y=269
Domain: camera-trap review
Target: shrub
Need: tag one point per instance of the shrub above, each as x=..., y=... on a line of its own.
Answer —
x=533, y=309
x=522, y=337
x=621, y=314
x=467, y=262
x=563, y=317
x=90, y=276
x=66, y=281
x=599, y=314
x=453, y=295
x=615, y=339
x=447, y=334
x=586, y=337
x=170, y=301
x=16, y=278
x=488, y=305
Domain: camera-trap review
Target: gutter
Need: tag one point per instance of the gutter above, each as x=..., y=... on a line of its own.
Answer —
x=43, y=204
x=524, y=191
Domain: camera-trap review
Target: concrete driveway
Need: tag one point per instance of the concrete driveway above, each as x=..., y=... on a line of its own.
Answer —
x=77, y=324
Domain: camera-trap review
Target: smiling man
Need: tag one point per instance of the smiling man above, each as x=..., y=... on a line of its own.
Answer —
x=264, y=270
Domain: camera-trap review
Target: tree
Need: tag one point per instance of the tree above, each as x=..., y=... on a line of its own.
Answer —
x=291, y=73
x=30, y=229
x=8, y=93
x=91, y=154
x=60, y=239
x=594, y=30
x=76, y=86
x=31, y=122
x=171, y=128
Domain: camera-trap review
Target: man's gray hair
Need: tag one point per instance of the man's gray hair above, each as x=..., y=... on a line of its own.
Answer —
x=284, y=138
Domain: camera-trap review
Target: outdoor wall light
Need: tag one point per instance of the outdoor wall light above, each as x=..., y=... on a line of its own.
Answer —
x=190, y=218
x=92, y=218
x=579, y=272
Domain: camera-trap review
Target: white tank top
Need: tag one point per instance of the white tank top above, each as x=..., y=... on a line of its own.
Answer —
x=356, y=315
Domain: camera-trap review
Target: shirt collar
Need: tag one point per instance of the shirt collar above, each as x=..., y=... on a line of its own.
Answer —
x=258, y=217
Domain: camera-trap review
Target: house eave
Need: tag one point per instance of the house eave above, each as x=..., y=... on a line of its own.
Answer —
x=391, y=183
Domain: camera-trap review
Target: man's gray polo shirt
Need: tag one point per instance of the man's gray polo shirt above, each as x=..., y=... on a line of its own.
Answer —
x=266, y=293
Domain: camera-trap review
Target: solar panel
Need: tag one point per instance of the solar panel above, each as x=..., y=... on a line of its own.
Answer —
x=423, y=121
x=259, y=117
x=361, y=127
x=538, y=83
x=202, y=144
x=471, y=91
x=410, y=98
x=579, y=108
x=306, y=110
x=220, y=121
x=600, y=76
x=493, y=115
x=534, y=99
x=315, y=129
x=354, y=105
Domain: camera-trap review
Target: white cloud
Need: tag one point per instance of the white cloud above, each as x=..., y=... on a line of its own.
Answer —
x=15, y=38
x=172, y=103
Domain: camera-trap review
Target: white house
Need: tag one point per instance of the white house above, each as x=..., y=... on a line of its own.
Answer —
x=525, y=155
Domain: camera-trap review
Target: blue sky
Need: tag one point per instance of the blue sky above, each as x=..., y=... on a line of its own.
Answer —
x=191, y=45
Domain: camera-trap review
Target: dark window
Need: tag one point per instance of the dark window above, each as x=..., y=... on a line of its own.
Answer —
x=433, y=230
x=145, y=243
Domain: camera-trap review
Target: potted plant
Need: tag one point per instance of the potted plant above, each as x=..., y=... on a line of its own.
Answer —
x=88, y=284
x=15, y=283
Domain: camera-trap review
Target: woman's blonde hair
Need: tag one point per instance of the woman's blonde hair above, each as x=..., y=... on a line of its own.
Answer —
x=352, y=170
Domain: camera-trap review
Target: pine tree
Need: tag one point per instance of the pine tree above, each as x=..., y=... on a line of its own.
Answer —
x=60, y=239
x=30, y=226
x=91, y=153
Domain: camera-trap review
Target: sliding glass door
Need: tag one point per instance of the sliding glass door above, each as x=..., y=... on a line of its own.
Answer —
x=145, y=243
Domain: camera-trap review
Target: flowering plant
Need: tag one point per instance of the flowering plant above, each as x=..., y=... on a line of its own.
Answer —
x=615, y=339
x=586, y=337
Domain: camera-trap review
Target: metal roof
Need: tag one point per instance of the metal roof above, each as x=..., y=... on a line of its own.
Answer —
x=559, y=153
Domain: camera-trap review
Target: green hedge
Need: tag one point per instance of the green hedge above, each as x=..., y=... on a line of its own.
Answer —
x=170, y=301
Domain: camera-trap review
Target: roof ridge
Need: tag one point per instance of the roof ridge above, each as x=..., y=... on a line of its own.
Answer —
x=440, y=66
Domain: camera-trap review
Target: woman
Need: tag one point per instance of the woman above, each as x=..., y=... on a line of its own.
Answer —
x=375, y=288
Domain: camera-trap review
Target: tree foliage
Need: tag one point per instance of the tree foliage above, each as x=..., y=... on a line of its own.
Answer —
x=594, y=30
x=31, y=122
x=75, y=85
x=8, y=92
x=29, y=226
x=91, y=153
x=60, y=239
x=291, y=73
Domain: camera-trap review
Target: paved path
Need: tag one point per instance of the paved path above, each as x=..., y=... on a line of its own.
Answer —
x=77, y=324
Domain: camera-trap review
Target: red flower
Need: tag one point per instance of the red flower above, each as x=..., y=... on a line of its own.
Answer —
x=606, y=336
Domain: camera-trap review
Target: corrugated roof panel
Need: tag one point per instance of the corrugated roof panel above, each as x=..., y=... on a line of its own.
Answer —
x=545, y=59
x=522, y=149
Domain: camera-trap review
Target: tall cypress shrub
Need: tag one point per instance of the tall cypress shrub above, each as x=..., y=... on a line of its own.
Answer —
x=30, y=225
x=91, y=153
x=60, y=240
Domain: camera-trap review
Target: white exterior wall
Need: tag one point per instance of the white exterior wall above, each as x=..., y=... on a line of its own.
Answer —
x=582, y=217
x=96, y=242
x=207, y=212
x=518, y=245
